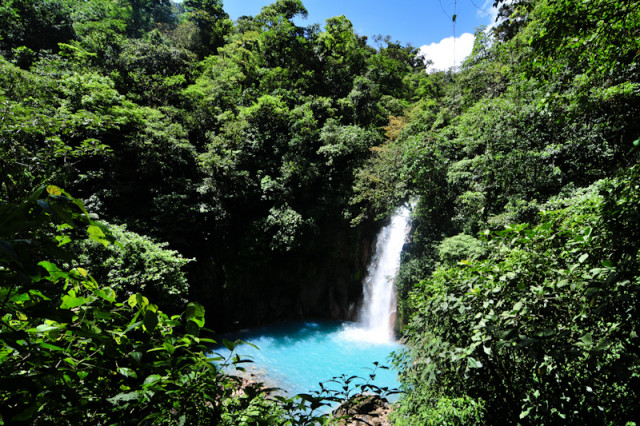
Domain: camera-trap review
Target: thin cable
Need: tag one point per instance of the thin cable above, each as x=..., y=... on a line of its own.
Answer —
x=479, y=8
x=455, y=18
x=442, y=8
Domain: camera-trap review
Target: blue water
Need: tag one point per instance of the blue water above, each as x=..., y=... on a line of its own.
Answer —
x=297, y=356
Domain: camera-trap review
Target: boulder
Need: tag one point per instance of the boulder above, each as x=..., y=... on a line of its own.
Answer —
x=363, y=409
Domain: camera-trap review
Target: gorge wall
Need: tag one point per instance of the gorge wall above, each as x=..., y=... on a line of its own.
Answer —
x=322, y=279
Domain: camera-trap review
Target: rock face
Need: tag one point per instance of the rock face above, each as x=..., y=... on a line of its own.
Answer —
x=322, y=279
x=361, y=410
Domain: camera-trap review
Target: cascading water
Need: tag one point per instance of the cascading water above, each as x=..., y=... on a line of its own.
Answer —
x=297, y=356
x=377, y=312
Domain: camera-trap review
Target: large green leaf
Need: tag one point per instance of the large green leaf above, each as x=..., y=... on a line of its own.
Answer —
x=71, y=301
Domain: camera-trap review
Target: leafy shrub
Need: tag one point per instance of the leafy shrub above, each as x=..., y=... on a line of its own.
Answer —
x=460, y=247
x=72, y=354
x=136, y=264
x=543, y=329
x=418, y=409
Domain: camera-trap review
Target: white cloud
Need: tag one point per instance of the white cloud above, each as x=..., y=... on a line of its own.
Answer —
x=448, y=52
x=442, y=53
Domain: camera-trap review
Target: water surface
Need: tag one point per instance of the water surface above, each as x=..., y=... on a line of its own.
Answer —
x=297, y=356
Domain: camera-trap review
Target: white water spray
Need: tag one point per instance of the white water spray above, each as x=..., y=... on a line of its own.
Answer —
x=377, y=312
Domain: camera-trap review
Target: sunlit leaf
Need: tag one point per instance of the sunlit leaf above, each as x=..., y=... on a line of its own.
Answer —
x=587, y=339
x=123, y=397
x=473, y=363
x=97, y=234
x=127, y=372
x=195, y=312
x=49, y=346
x=70, y=302
x=132, y=301
x=54, y=190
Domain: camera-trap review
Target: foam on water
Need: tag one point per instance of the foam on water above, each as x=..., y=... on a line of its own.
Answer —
x=357, y=334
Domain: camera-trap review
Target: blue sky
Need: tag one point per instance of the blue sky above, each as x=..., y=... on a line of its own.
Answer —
x=423, y=23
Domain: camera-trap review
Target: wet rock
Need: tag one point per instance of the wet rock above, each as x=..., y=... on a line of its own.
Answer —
x=361, y=410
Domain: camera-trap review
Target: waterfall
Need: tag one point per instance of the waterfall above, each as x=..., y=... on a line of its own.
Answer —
x=297, y=356
x=377, y=312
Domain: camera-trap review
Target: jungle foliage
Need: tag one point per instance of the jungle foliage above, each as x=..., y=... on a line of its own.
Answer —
x=242, y=163
x=518, y=290
x=235, y=143
x=216, y=155
x=75, y=351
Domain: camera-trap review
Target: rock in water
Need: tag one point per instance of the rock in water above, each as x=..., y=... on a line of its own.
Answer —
x=361, y=409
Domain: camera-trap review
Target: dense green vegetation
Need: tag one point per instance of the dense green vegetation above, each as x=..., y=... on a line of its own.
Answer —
x=73, y=354
x=234, y=143
x=519, y=290
x=224, y=156
x=245, y=165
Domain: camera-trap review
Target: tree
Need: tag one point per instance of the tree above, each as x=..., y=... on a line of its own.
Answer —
x=538, y=331
x=145, y=14
x=212, y=22
x=342, y=55
x=35, y=24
